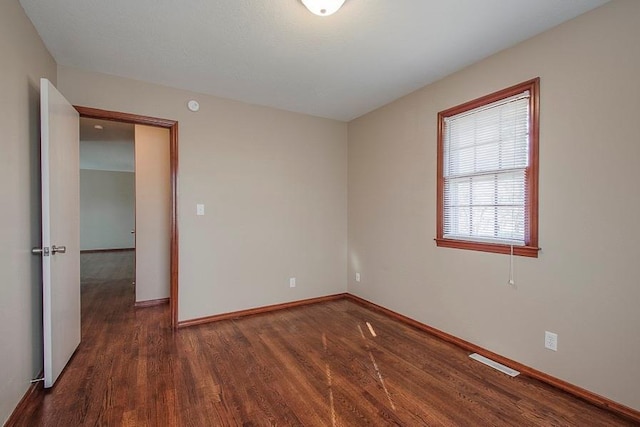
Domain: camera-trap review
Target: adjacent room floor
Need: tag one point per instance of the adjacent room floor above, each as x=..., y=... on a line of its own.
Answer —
x=328, y=364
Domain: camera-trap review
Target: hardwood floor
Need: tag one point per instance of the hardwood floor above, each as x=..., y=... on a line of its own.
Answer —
x=330, y=364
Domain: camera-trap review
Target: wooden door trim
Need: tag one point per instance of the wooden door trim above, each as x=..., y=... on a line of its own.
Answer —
x=172, y=125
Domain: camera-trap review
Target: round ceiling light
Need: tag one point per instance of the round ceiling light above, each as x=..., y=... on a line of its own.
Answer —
x=323, y=7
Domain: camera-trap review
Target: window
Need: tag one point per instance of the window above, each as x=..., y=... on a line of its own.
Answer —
x=488, y=173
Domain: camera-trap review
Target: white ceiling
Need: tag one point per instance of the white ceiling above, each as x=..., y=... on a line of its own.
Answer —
x=110, y=148
x=278, y=54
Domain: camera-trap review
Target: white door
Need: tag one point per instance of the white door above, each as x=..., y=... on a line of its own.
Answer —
x=60, y=230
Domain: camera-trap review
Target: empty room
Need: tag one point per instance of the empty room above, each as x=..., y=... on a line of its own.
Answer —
x=338, y=213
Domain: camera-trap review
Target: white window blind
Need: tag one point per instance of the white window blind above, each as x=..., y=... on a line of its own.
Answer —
x=486, y=156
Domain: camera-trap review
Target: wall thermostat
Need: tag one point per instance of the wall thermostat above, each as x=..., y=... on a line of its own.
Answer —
x=193, y=105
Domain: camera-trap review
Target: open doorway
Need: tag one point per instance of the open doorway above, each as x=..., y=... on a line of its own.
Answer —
x=107, y=210
x=152, y=130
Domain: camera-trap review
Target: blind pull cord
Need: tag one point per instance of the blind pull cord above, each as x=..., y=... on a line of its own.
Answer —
x=511, y=281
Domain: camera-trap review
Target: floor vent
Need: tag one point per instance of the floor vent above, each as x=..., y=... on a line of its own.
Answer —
x=495, y=365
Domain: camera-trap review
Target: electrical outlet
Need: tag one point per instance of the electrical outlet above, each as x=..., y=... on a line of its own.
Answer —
x=550, y=340
x=292, y=282
x=357, y=277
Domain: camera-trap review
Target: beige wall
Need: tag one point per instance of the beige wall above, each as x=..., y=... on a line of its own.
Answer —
x=274, y=188
x=107, y=202
x=585, y=285
x=23, y=64
x=153, y=213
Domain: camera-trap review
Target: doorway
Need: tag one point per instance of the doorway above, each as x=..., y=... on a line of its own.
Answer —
x=172, y=127
x=107, y=186
x=107, y=210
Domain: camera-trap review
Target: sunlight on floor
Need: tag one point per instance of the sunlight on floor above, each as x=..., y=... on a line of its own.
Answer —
x=329, y=382
x=371, y=329
x=375, y=364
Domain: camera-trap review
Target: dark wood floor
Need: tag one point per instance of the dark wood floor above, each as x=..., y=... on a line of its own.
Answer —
x=319, y=365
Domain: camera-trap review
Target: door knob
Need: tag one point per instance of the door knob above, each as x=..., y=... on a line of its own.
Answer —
x=58, y=249
x=133, y=231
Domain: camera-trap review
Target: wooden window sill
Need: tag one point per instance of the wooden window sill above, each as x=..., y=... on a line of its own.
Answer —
x=527, y=251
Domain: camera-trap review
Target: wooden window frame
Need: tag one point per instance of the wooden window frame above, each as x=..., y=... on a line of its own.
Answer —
x=530, y=248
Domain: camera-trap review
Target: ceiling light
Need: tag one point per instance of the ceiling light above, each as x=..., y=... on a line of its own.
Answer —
x=99, y=127
x=323, y=7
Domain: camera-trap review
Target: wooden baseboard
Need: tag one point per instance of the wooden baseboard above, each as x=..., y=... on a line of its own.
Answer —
x=258, y=310
x=574, y=390
x=151, y=303
x=33, y=392
x=94, y=251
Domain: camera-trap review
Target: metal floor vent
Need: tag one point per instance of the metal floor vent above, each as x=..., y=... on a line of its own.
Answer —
x=495, y=365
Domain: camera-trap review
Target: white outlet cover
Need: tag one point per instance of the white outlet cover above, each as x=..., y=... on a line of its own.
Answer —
x=292, y=282
x=199, y=209
x=550, y=340
x=357, y=277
